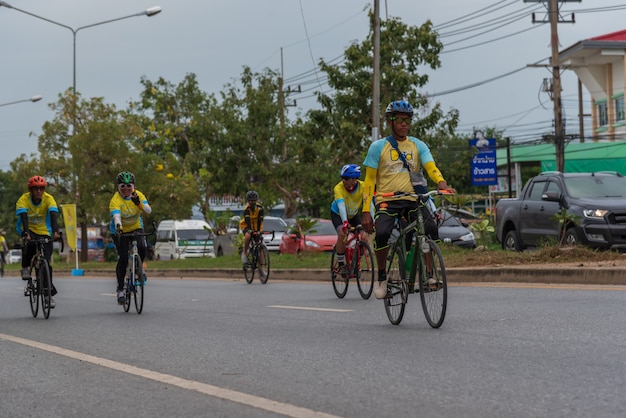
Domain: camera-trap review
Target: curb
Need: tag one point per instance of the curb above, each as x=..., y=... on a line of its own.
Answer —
x=566, y=275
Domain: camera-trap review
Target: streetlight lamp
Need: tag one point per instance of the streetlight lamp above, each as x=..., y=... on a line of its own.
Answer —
x=148, y=12
x=32, y=99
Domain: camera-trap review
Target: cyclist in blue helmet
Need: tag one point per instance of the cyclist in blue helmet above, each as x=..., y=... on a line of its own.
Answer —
x=346, y=208
x=394, y=164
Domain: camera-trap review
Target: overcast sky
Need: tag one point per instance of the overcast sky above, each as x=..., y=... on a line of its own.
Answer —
x=484, y=39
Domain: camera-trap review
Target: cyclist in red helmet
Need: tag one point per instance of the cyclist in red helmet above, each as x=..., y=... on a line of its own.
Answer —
x=37, y=214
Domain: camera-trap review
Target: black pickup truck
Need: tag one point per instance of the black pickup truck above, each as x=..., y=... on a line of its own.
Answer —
x=597, y=201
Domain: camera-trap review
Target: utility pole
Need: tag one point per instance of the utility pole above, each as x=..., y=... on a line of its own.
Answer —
x=282, y=104
x=376, y=74
x=554, y=18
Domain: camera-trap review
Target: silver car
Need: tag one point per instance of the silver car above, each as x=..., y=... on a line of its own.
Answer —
x=14, y=256
x=276, y=225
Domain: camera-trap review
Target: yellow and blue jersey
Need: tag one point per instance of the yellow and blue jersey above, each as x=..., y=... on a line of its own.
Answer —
x=352, y=201
x=129, y=213
x=38, y=214
x=386, y=163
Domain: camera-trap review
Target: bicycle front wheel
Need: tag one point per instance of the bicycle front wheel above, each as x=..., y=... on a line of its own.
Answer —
x=34, y=297
x=395, y=302
x=363, y=269
x=433, y=285
x=130, y=283
x=250, y=265
x=265, y=268
x=45, y=287
x=138, y=285
x=340, y=283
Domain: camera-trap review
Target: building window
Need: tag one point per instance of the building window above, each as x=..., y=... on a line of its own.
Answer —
x=603, y=114
x=619, y=109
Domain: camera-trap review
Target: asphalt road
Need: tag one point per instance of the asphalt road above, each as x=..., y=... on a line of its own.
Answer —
x=223, y=348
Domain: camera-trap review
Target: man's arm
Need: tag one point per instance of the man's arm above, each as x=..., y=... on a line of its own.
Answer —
x=436, y=176
x=369, y=186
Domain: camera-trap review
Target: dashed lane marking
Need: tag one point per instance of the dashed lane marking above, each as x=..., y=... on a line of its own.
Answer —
x=306, y=308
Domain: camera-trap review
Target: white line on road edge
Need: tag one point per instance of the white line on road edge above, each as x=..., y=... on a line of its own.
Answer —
x=230, y=395
x=305, y=308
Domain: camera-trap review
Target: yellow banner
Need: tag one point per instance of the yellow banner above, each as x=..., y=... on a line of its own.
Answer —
x=69, y=217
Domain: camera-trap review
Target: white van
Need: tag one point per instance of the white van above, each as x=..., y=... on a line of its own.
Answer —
x=183, y=239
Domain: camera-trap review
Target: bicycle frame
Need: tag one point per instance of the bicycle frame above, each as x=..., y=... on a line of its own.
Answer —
x=256, y=247
x=356, y=249
x=134, y=282
x=423, y=262
x=40, y=287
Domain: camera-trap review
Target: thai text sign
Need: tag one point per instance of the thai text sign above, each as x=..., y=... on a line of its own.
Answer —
x=484, y=168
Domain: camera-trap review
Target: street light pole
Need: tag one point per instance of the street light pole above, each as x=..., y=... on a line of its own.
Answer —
x=148, y=12
x=32, y=99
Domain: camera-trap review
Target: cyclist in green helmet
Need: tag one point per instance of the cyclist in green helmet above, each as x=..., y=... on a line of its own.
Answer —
x=127, y=207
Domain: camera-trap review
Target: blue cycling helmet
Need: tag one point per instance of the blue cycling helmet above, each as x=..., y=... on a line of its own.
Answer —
x=399, y=106
x=352, y=171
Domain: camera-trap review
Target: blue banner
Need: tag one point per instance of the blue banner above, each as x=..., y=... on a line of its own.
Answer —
x=484, y=167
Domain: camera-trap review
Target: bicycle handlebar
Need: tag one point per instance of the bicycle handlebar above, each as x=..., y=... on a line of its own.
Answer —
x=44, y=240
x=418, y=195
x=140, y=234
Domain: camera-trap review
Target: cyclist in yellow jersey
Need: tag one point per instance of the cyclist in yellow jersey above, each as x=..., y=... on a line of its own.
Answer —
x=390, y=165
x=127, y=207
x=251, y=222
x=37, y=214
x=346, y=208
x=4, y=249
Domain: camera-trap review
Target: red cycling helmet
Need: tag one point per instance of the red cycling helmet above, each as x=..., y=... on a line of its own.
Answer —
x=36, y=181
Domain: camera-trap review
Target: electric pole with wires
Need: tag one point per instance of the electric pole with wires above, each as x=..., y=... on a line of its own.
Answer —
x=554, y=18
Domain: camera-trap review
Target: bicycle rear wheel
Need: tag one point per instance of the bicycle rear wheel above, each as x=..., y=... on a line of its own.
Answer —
x=340, y=283
x=34, y=297
x=398, y=287
x=138, y=285
x=363, y=269
x=45, y=287
x=250, y=265
x=266, y=263
x=434, y=287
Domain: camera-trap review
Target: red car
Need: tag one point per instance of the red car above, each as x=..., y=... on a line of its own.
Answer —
x=324, y=239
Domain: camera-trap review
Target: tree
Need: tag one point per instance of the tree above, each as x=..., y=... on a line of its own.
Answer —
x=343, y=125
x=82, y=166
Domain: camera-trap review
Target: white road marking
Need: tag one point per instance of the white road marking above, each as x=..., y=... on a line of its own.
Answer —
x=215, y=391
x=306, y=308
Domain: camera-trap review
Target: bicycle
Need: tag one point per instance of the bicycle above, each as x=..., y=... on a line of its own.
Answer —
x=360, y=262
x=135, y=277
x=423, y=261
x=39, y=288
x=256, y=247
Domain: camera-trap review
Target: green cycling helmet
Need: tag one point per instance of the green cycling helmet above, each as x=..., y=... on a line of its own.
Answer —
x=125, y=177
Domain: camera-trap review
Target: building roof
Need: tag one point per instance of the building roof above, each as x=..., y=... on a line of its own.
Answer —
x=614, y=36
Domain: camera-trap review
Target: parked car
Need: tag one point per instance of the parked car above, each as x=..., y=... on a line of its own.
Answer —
x=323, y=239
x=188, y=238
x=276, y=225
x=13, y=256
x=453, y=230
x=591, y=205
